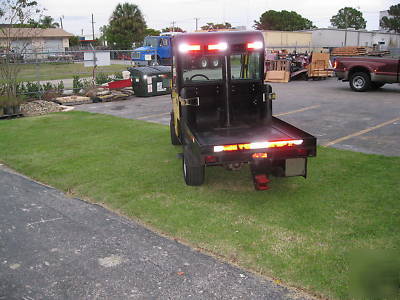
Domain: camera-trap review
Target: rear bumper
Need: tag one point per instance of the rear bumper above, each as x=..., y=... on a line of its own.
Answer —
x=247, y=156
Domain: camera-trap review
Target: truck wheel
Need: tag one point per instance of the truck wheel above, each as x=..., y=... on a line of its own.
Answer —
x=377, y=85
x=174, y=138
x=360, y=82
x=193, y=172
x=203, y=63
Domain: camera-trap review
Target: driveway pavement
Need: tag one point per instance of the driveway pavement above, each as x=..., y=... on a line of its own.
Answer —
x=56, y=247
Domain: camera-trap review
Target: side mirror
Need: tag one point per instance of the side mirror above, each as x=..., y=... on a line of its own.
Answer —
x=267, y=88
x=267, y=91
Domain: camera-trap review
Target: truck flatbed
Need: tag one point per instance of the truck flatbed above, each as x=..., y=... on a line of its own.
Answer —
x=275, y=131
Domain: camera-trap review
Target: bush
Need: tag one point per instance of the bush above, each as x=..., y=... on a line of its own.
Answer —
x=33, y=89
x=102, y=78
x=60, y=86
x=118, y=76
x=77, y=85
x=47, y=87
x=87, y=84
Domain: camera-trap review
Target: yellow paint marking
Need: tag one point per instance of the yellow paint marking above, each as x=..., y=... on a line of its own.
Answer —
x=361, y=132
x=152, y=116
x=298, y=110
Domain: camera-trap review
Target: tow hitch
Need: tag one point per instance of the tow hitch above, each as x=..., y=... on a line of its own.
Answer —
x=261, y=182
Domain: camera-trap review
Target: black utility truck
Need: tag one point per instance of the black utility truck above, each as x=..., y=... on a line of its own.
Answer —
x=223, y=115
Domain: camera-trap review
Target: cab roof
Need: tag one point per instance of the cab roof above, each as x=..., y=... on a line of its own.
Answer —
x=229, y=37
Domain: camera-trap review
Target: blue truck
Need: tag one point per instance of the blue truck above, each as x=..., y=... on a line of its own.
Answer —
x=156, y=50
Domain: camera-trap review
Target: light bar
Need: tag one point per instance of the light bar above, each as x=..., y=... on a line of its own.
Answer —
x=183, y=48
x=255, y=45
x=220, y=46
x=258, y=145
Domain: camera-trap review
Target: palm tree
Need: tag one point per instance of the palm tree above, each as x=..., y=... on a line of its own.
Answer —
x=127, y=25
x=48, y=22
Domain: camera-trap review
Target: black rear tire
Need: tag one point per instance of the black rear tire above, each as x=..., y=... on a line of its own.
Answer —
x=193, y=172
x=377, y=85
x=360, y=82
x=174, y=138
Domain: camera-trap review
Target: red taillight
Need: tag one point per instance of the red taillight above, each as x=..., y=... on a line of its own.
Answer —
x=218, y=47
x=184, y=48
x=255, y=45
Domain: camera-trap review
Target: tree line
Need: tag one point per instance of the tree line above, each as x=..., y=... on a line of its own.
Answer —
x=127, y=25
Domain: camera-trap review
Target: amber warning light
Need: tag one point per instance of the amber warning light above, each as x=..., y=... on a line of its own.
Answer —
x=258, y=145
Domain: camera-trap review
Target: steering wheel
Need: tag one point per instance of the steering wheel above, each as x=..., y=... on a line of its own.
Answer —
x=199, y=75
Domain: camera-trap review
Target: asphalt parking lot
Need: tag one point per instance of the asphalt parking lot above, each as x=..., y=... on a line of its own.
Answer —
x=366, y=122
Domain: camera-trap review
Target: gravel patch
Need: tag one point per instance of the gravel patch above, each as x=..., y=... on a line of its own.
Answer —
x=39, y=107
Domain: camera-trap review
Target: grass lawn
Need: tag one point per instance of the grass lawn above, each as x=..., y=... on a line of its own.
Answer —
x=301, y=231
x=54, y=71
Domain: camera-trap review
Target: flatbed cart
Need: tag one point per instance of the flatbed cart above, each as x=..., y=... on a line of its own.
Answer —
x=223, y=116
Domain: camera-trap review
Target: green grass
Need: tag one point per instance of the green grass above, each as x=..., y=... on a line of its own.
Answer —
x=54, y=71
x=301, y=231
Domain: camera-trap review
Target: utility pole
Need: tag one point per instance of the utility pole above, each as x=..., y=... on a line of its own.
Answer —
x=61, y=22
x=197, y=20
x=173, y=26
x=93, y=27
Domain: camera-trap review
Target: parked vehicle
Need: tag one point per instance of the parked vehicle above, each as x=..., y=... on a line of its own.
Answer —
x=156, y=50
x=223, y=116
x=367, y=73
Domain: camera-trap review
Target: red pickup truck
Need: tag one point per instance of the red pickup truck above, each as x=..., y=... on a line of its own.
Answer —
x=365, y=73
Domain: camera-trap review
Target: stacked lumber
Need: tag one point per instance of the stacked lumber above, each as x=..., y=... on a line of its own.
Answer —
x=349, y=51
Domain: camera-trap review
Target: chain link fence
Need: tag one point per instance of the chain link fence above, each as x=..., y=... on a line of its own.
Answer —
x=61, y=71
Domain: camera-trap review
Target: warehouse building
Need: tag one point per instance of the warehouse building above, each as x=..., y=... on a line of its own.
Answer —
x=333, y=37
x=300, y=40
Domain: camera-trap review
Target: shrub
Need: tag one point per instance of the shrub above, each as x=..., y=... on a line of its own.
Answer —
x=47, y=86
x=33, y=89
x=60, y=86
x=102, y=78
x=77, y=85
x=118, y=75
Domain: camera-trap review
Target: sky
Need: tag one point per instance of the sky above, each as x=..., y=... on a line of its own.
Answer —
x=161, y=13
